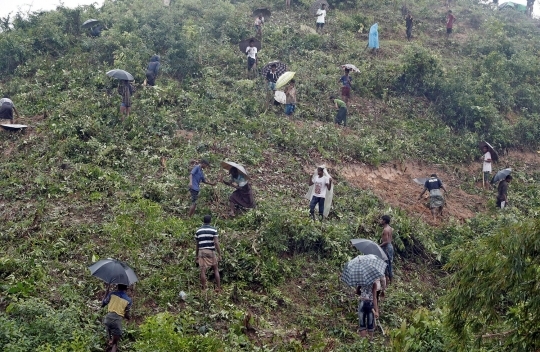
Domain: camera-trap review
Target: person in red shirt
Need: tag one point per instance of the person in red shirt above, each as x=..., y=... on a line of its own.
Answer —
x=450, y=19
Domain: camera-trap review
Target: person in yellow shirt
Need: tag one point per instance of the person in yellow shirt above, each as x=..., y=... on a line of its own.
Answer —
x=118, y=306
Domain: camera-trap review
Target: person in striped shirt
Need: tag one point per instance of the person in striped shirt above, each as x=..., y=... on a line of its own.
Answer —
x=118, y=306
x=205, y=255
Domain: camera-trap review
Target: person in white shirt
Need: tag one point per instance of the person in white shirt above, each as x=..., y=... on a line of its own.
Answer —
x=486, y=167
x=322, y=185
x=251, y=52
x=259, y=21
x=321, y=14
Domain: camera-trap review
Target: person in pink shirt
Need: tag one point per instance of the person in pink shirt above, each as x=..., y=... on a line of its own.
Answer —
x=450, y=19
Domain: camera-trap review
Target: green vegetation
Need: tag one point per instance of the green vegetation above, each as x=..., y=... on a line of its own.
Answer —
x=81, y=184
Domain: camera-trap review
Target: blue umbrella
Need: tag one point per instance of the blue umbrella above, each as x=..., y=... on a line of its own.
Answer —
x=113, y=271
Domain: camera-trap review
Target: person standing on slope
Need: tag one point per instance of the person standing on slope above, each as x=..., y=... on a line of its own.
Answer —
x=118, y=306
x=152, y=70
x=7, y=108
x=502, y=192
x=322, y=184
x=450, y=19
x=346, y=81
x=408, y=26
x=436, y=200
x=251, y=53
x=386, y=245
x=321, y=14
x=341, y=117
x=195, y=178
x=290, y=98
x=486, y=167
x=208, y=253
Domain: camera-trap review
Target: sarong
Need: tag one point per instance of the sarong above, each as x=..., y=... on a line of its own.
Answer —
x=436, y=201
x=243, y=196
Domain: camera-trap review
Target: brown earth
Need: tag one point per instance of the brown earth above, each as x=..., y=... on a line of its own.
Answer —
x=394, y=184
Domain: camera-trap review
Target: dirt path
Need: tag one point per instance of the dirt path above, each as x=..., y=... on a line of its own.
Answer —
x=394, y=184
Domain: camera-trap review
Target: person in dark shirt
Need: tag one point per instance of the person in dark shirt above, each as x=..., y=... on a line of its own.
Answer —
x=408, y=26
x=436, y=200
x=272, y=77
x=502, y=192
x=152, y=70
x=118, y=307
x=125, y=89
x=205, y=255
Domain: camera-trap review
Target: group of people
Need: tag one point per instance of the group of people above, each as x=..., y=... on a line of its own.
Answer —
x=371, y=296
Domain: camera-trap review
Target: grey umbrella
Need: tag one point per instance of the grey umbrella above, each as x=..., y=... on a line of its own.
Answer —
x=494, y=155
x=501, y=175
x=421, y=180
x=245, y=43
x=113, y=271
x=120, y=74
x=363, y=270
x=264, y=12
x=369, y=247
x=89, y=23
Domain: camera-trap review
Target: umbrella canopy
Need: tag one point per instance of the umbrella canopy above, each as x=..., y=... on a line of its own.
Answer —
x=421, y=180
x=350, y=67
x=120, y=74
x=369, y=247
x=317, y=5
x=13, y=127
x=264, y=12
x=284, y=79
x=245, y=43
x=363, y=270
x=280, y=97
x=227, y=165
x=113, y=271
x=501, y=175
x=494, y=155
x=281, y=68
x=90, y=23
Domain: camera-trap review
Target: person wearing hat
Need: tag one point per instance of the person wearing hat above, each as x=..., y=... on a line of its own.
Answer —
x=436, y=199
x=7, y=108
x=152, y=70
x=195, y=178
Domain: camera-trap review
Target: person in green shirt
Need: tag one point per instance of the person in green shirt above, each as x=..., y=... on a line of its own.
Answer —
x=341, y=117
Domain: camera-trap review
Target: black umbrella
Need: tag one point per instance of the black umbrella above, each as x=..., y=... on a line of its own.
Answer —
x=494, y=155
x=317, y=5
x=281, y=68
x=120, y=74
x=501, y=175
x=90, y=23
x=113, y=271
x=245, y=43
x=264, y=12
x=369, y=247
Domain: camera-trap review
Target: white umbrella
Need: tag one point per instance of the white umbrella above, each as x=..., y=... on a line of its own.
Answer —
x=227, y=165
x=280, y=97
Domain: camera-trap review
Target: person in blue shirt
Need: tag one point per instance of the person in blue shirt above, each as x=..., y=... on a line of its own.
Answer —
x=152, y=70
x=118, y=307
x=346, y=81
x=195, y=178
x=242, y=197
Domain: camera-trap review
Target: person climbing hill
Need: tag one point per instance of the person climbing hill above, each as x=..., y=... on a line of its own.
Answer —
x=436, y=200
x=7, y=108
x=152, y=70
x=346, y=81
x=341, y=117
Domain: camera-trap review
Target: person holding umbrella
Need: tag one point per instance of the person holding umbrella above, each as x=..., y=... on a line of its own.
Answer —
x=251, y=53
x=486, y=166
x=152, y=70
x=242, y=197
x=118, y=306
x=502, y=192
x=272, y=77
x=290, y=94
x=436, y=200
x=346, y=81
x=125, y=90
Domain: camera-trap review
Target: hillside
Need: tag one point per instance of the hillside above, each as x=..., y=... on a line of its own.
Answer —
x=81, y=184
